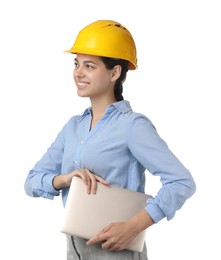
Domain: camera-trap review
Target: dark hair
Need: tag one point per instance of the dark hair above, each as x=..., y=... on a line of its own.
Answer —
x=110, y=63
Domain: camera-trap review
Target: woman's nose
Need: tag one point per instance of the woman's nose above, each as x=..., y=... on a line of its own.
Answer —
x=78, y=72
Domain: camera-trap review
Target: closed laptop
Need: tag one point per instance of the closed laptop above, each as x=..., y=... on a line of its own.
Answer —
x=87, y=214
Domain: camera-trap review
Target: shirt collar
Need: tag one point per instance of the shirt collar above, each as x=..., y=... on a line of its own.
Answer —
x=122, y=106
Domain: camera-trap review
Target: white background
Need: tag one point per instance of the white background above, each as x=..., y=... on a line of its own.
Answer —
x=176, y=86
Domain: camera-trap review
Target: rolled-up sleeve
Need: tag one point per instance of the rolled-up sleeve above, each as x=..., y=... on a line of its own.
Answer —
x=39, y=180
x=154, y=154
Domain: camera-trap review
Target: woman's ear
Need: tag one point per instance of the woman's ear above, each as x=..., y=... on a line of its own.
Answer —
x=116, y=72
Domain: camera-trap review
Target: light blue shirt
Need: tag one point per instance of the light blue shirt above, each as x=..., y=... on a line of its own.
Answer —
x=119, y=148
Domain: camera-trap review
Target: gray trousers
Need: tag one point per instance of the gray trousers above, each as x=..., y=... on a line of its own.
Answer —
x=78, y=250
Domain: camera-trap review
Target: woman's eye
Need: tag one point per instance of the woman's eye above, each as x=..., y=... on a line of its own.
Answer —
x=89, y=66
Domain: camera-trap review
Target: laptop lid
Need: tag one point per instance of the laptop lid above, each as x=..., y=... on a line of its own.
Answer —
x=87, y=214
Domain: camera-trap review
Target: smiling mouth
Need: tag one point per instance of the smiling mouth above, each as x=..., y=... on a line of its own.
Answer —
x=82, y=84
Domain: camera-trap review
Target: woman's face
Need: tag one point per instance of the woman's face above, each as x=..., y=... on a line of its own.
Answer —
x=91, y=77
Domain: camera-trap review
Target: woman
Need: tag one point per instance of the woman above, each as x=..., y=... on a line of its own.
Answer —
x=111, y=144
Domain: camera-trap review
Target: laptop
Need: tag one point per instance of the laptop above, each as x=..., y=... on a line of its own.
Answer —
x=87, y=214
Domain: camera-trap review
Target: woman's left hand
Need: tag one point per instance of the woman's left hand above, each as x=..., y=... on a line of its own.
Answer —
x=116, y=236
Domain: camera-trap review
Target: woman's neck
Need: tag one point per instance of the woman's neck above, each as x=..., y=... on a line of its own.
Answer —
x=99, y=107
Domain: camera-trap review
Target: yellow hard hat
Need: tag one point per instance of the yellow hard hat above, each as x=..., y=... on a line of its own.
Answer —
x=106, y=38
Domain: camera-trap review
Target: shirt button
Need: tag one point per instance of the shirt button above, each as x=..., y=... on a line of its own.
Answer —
x=76, y=162
x=82, y=142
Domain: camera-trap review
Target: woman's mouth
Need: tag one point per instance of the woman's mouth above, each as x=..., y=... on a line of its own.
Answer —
x=81, y=85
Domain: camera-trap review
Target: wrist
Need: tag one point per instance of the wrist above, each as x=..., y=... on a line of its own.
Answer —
x=58, y=182
x=141, y=221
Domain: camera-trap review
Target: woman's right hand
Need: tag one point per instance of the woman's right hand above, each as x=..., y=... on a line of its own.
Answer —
x=90, y=180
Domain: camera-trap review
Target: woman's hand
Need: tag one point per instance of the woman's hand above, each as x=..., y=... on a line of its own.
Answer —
x=117, y=236
x=89, y=179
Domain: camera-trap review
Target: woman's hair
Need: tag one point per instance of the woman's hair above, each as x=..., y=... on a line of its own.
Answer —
x=110, y=63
